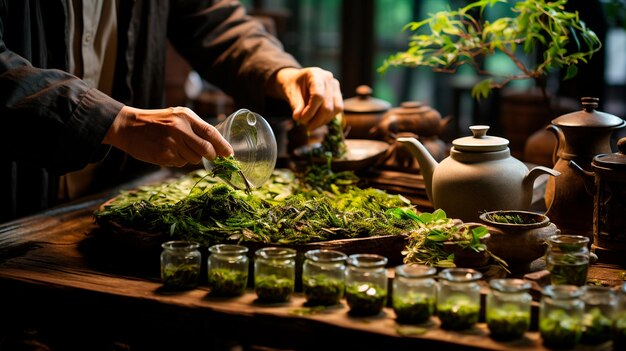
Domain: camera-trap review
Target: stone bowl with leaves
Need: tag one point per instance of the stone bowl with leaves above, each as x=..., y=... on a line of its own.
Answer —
x=519, y=237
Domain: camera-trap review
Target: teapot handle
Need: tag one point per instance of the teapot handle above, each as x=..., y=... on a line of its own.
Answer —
x=560, y=141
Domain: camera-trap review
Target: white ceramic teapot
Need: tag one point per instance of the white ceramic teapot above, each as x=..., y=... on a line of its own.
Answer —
x=479, y=175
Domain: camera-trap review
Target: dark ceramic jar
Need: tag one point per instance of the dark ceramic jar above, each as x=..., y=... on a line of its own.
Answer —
x=363, y=112
x=609, y=222
x=412, y=119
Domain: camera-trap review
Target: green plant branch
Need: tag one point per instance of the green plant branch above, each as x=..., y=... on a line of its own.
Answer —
x=447, y=40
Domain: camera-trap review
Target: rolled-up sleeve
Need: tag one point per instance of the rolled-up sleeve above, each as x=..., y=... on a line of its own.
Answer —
x=50, y=118
x=227, y=47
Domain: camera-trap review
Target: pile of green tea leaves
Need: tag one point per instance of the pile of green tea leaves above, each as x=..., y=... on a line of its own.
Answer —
x=334, y=143
x=318, y=205
x=426, y=244
x=510, y=218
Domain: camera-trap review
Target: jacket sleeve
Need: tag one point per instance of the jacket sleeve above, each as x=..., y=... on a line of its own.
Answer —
x=227, y=47
x=50, y=118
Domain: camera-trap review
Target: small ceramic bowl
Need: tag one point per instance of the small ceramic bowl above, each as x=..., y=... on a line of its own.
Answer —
x=519, y=244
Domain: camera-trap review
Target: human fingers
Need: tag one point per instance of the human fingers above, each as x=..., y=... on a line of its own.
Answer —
x=332, y=106
x=205, y=139
x=324, y=99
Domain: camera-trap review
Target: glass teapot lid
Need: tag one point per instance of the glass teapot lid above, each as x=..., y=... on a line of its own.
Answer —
x=480, y=141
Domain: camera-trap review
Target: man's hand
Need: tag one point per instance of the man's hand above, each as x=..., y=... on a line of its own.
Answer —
x=171, y=137
x=313, y=93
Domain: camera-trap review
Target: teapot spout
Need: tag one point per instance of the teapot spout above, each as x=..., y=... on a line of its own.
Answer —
x=426, y=161
x=529, y=180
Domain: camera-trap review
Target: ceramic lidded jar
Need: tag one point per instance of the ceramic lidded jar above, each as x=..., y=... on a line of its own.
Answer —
x=609, y=222
x=363, y=112
x=581, y=136
x=412, y=116
x=416, y=119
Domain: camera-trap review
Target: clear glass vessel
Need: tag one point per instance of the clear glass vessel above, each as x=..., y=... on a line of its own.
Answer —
x=601, y=305
x=366, y=284
x=458, y=298
x=227, y=269
x=567, y=259
x=508, y=308
x=414, y=292
x=180, y=264
x=561, y=316
x=619, y=322
x=274, y=274
x=323, y=276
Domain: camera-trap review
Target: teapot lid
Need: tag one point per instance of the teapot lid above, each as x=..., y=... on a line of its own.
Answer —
x=588, y=117
x=480, y=141
x=363, y=102
x=414, y=108
x=616, y=161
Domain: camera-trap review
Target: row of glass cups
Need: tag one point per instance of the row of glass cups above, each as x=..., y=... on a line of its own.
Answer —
x=568, y=314
x=327, y=277
x=324, y=274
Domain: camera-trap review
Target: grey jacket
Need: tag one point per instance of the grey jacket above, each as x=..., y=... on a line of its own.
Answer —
x=53, y=123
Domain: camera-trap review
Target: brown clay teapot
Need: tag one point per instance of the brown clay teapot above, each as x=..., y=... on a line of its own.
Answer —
x=411, y=119
x=479, y=175
x=581, y=135
x=363, y=112
x=411, y=116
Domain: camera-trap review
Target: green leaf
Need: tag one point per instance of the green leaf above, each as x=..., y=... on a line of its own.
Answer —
x=482, y=89
x=439, y=214
x=572, y=71
x=480, y=231
x=426, y=217
x=438, y=237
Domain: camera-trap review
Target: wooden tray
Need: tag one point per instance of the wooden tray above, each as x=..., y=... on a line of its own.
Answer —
x=390, y=246
x=134, y=240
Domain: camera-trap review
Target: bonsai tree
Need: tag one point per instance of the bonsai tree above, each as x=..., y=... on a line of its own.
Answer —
x=447, y=40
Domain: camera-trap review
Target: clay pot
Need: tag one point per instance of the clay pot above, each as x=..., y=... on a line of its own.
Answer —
x=580, y=136
x=363, y=112
x=518, y=244
x=413, y=117
x=479, y=175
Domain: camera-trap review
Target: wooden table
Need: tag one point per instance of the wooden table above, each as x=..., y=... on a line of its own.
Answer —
x=56, y=277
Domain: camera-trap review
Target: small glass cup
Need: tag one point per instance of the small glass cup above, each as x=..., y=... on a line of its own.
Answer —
x=274, y=274
x=323, y=277
x=601, y=305
x=227, y=269
x=414, y=293
x=508, y=308
x=567, y=259
x=366, y=284
x=619, y=323
x=458, y=298
x=561, y=316
x=180, y=264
